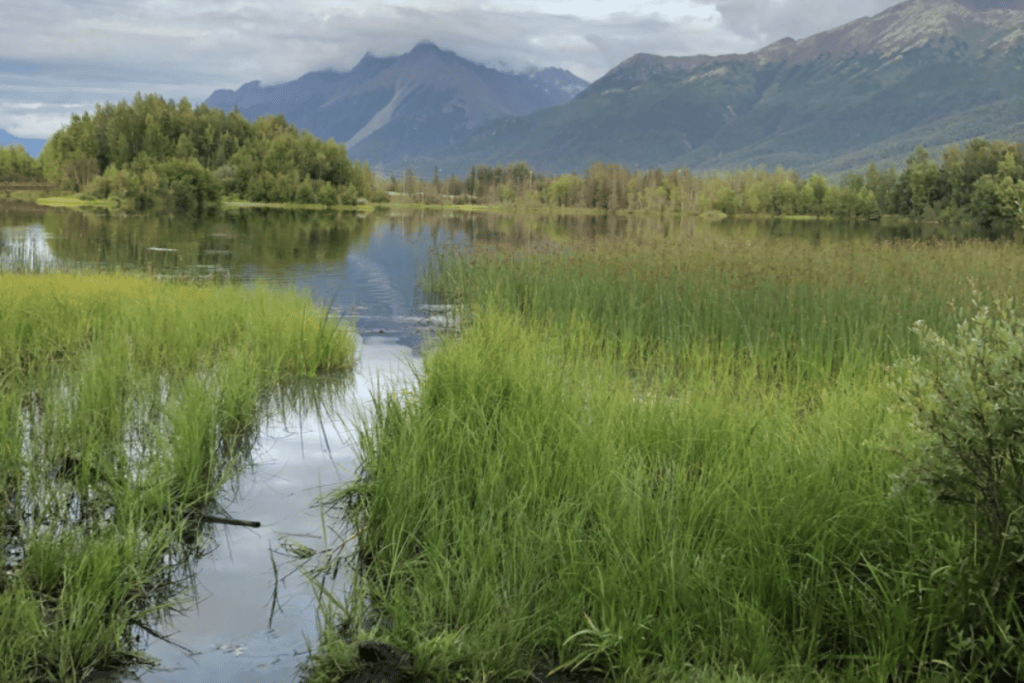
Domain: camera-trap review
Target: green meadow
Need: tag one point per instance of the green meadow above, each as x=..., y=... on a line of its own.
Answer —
x=126, y=405
x=676, y=457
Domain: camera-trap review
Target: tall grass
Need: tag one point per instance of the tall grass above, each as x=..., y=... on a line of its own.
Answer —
x=126, y=405
x=660, y=460
x=170, y=327
x=794, y=310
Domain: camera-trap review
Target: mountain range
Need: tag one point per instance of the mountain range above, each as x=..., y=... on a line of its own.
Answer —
x=389, y=109
x=930, y=72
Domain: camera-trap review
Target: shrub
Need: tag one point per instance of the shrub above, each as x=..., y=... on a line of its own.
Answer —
x=965, y=399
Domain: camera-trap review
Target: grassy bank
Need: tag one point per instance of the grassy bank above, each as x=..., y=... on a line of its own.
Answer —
x=667, y=458
x=126, y=404
x=23, y=193
x=75, y=202
x=70, y=202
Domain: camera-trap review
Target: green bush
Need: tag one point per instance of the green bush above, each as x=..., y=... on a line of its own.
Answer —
x=967, y=401
x=965, y=439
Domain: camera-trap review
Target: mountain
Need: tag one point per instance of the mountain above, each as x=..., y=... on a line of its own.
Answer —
x=927, y=72
x=387, y=109
x=33, y=147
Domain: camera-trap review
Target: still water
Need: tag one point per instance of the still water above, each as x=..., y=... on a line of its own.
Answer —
x=234, y=627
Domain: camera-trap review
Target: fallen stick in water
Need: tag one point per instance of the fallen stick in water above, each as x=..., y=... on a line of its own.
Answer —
x=233, y=522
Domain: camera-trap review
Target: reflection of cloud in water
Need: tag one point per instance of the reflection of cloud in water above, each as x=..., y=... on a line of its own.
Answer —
x=382, y=291
x=305, y=451
x=26, y=249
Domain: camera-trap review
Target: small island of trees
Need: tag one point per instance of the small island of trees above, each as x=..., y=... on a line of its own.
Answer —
x=155, y=154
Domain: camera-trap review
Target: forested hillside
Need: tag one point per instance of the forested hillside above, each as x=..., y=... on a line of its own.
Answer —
x=156, y=154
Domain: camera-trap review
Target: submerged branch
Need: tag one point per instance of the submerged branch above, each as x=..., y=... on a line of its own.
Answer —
x=233, y=522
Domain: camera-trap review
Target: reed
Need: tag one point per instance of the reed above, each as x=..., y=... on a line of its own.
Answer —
x=127, y=405
x=660, y=459
x=792, y=309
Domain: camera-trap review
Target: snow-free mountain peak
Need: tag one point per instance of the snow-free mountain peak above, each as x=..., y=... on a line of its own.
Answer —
x=930, y=72
x=387, y=108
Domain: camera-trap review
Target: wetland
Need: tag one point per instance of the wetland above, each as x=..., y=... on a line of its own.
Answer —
x=650, y=448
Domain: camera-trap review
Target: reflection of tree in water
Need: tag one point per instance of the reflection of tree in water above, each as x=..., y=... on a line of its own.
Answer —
x=25, y=249
x=260, y=238
x=269, y=239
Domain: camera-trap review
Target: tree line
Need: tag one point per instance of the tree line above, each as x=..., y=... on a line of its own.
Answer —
x=157, y=154
x=18, y=166
x=162, y=155
x=981, y=183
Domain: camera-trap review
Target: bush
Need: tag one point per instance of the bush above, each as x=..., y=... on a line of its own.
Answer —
x=348, y=195
x=305, y=193
x=966, y=440
x=967, y=401
x=191, y=187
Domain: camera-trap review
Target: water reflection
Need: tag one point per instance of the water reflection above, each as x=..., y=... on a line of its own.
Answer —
x=26, y=249
x=365, y=267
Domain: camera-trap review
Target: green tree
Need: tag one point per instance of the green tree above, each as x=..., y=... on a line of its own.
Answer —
x=565, y=190
x=305, y=193
x=190, y=187
x=784, y=198
x=185, y=148
x=328, y=194
x=882, y=185
x=17, y=165
x=996, y=202
x=921, y=183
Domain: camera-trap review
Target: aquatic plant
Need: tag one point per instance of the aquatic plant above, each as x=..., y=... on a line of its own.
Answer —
x=126, y=405
x=659, y=457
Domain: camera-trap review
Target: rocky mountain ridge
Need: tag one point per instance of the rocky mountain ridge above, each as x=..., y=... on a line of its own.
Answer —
x=930, y=72
x=387, y=108
x=906, y=26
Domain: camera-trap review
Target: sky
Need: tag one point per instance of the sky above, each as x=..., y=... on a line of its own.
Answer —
x=60, y=57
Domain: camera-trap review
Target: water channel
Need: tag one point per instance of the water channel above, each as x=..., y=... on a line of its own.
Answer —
x=232, y=628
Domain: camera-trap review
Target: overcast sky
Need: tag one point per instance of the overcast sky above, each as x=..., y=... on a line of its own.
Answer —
x=59, y=57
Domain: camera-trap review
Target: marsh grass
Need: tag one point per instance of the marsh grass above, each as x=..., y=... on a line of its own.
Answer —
x=127, y=405
x=794, y=310
x=660, y=460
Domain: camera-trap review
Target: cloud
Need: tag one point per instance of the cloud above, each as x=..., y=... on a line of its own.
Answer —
x=275, y=41
x=35, y=120
x=765, y=21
